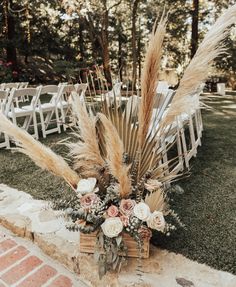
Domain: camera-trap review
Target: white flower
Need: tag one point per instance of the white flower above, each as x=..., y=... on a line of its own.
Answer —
x=156, y=221
x=112, y=227
x=142, y=211
x=86, y=185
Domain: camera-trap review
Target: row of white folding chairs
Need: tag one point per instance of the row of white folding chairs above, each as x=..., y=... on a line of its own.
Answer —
x=57, y=106
x=175, y=131
x=16, y=85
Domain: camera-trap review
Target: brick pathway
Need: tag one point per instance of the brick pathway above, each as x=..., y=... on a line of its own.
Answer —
x=24, y=266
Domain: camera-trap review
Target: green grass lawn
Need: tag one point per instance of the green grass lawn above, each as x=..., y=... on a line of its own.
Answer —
x=207, y=207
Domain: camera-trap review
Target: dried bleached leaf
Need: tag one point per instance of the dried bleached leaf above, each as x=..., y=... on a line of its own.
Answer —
x=115, y=151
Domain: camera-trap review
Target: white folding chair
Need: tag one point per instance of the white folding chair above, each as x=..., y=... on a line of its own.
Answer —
x=3, y=101
x=23, y=85
x=28, y=112
x=80, y=91
x=46, y=107
x=194, y=122
x=9, y=86
x=162, y=87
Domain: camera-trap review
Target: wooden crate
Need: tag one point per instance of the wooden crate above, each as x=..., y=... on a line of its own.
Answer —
x=88, y=241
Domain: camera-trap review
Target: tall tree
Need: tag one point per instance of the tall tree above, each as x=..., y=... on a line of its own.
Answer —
x=194, y=37
x=134, y=43
x=10, y=34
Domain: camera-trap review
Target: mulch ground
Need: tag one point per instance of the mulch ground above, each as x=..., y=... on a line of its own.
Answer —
x=207, y=207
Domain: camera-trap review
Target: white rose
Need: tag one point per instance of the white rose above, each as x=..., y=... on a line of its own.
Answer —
x=142, y=211
x=112, y=227
x=156, y=221
x=86, y=185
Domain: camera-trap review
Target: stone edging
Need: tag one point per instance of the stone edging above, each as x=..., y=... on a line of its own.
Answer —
x=29, y=218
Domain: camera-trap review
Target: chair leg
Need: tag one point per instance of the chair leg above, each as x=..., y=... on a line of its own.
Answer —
x=184, y=145
x=198, y=128
x=35, y=126
x=192, y=136
x=42, y=124
x=58, y=121
x=179, y=148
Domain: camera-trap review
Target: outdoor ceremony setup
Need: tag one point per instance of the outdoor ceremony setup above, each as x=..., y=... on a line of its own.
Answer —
x=125, y=151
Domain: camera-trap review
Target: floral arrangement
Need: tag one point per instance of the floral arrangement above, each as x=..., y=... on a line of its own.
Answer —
x=111, y=217
x=119, y=174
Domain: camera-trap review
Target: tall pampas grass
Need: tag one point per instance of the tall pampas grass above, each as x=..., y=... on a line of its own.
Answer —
x=115, y=152
x=86, y=151
x=43, y=156
x=198, y=69
x=149, y=78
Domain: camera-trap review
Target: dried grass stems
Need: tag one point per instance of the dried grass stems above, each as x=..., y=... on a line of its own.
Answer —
x=115, y=152
x=156, y=200
x=149, y=78
x=43, y=156
x=85, y=152
x=200, y=66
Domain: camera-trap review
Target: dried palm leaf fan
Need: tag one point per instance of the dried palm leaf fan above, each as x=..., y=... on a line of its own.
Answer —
x=123, y=154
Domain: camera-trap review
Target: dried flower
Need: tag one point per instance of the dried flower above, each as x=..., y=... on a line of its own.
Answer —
x=89, y=200
x=127, y=206
x=112, y=227
x=145, y=233
x=153, y=184
x=112, y=211
x=142, y=211
x=156, y=221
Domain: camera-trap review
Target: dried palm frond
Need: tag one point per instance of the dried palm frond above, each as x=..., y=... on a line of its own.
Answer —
x=149, y=78
x=43, y=156
x=115, y=152
x=155, y=200
x=86, y=151
x=199, y=67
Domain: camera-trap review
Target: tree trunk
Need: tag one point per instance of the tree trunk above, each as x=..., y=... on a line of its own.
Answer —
x=194, y=38
x=11, y=49
x=105, y=48
x=81, y=41
x=134, y=40
x=120, y=58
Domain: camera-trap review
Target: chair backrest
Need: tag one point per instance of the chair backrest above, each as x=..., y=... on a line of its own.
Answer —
x=117, y=88
x=162, y=87
x=81, y=89
x=11, y=85
x=45, y=91
x=49, y=89
x=18, y=93
x=23, y=85
x=132, y=105
x=3, y=100
x=65, y=92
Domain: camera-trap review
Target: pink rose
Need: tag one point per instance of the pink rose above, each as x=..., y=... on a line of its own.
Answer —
x=125, y=220
x=89, y=200
x=112, y=211
x=145, y=232
x=127, y=206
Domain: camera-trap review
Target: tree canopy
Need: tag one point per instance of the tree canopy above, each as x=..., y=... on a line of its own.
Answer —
x=55, y=40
